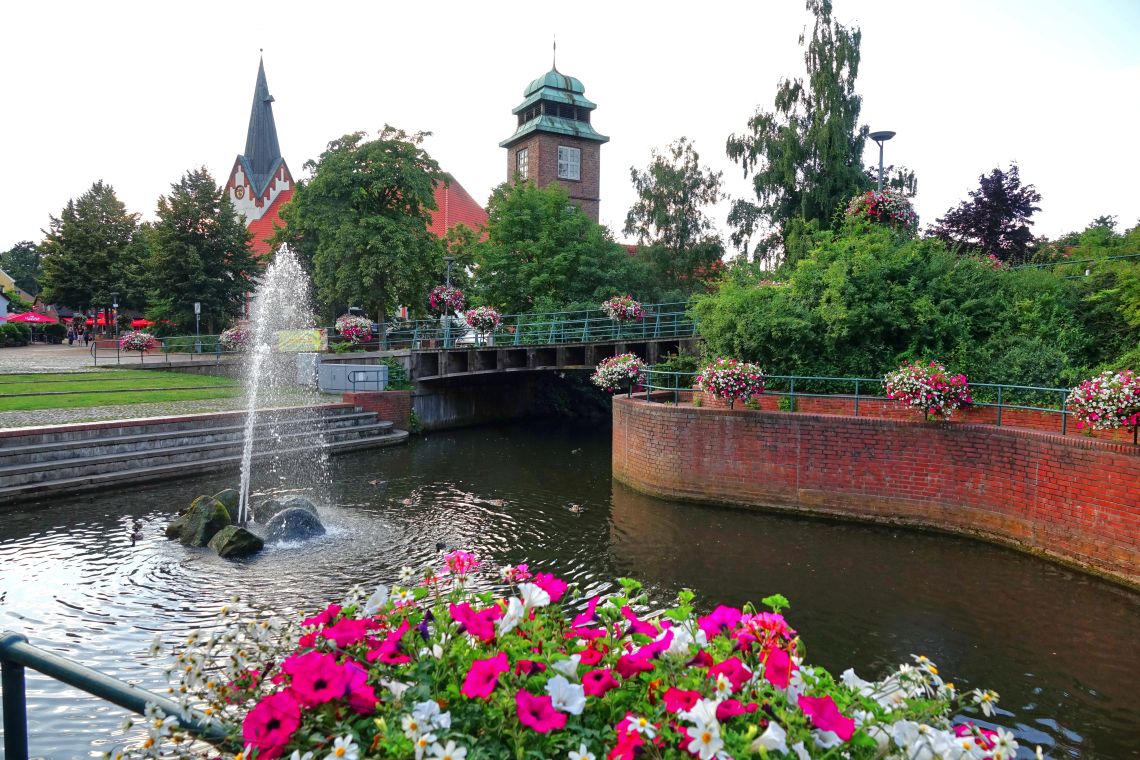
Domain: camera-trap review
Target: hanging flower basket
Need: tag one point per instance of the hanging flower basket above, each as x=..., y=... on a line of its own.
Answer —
x=445, y=299
x=355, y=328
x=1108, y=401
x=621, y=372
x=887, y=207
x=138, y=341
x=928, y=387
x=622, y=309
x=731, y=380
x=236, y=338
x=483, y=319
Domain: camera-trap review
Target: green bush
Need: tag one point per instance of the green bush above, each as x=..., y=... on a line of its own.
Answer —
x=15, y=334
x=55, y=333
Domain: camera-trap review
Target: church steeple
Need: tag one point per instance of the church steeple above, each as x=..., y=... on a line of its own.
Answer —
x=262, y=150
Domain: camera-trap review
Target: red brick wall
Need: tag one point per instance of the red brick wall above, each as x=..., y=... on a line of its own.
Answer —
x=542, y=158
x=1077, y=500
x=394, y=406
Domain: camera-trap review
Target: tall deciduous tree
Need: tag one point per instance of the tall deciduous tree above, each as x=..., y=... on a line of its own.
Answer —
x=542, y=252
x=23, y=263
x=669, y=216
x=361, y=220
x=200, y=253
x=996, y=218
x=806, y=156
x=93, y=249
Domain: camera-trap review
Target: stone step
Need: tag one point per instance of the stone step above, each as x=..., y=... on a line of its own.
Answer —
x=59, y=451
x=79, y=484
x=84, y=465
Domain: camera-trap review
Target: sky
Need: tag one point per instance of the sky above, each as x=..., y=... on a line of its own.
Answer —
x=138, y=93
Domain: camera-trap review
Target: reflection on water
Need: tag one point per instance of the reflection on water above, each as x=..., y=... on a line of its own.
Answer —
x=1059, y=646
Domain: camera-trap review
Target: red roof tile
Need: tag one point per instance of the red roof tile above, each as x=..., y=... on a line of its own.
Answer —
x=454, y=205
x=263, y=228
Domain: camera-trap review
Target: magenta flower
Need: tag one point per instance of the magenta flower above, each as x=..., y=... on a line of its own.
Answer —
x=733, y=669
x=271, y=723
x=481, y=625
x=324, y=618
x=722, y=620
x=538, y=713
x=361, y=696
x=484, y=676
x=316, y=677
x=551, y=585
x=347, y=631
x=389, y=651
x=778, y=667
x=826, y=716
x=629, y=665
x=730, y=708
x=679, y=699
x=589, y=616
x=636, y=625
x=597, y=682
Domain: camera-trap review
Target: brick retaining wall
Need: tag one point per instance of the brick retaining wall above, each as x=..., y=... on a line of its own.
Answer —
x=1073, y=499
x=394, y=406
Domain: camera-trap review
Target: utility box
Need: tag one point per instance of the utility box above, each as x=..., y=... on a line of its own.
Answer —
x=336, y=377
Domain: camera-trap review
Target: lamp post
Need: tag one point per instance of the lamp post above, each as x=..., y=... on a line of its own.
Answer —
x=114, y=309
x=880, y=138
x=450, y=260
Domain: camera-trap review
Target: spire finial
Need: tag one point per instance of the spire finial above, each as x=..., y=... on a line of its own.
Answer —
x=554, y=64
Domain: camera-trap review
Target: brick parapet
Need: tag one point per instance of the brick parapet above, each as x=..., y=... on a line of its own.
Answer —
x=393, y=406
x=1075, y=500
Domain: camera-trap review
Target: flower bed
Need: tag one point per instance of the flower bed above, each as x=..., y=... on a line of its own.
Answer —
x=443, y=670
x=730, y=380
x=622, y=309
x=1108, y=401
x=236, y=338
x=928, y=387
x=885, y=207
x=356, y=328
x=138, y=341
x=445, y=299
x=616, y=373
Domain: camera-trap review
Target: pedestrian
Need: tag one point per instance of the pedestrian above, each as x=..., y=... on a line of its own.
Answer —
x=71, y=335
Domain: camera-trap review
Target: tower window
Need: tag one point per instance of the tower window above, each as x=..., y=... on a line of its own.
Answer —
x=569, y=163
x=522, y=163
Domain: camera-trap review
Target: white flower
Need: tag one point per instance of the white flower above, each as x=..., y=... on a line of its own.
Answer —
x=641, y=725
x=423, y=743
x=985, y=700
x=705, y=740
x=800, y=751
x=581, y=753
x=853, y=681
x=568, y=667
x=683, y=640
x=533, y=596
x=413, y=726
x=344, y=749
x=430, y=716
x=703, y=712
x=773, y=739
x=298, y=756
x=450, y=752
x=565, y=696
x=1005, y=746
x=378, y=599
x=396, y=687
x=826, y=739
x=512, y=616
x=723, y=686
x=407, y=574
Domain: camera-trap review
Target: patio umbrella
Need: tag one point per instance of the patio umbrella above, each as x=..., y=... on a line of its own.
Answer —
x=141, y=323
x=30, y=317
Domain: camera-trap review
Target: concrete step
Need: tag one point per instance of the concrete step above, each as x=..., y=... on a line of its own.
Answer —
x=79, y=484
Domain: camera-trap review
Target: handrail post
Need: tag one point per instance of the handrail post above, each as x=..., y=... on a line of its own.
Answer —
x=999, y=406
x=792, y=394
x=1064, y=415
x=14, y=701
x=856, y=397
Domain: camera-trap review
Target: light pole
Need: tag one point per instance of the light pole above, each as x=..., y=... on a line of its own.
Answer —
x=450, y=260
x=881, y=137
x=114, y=315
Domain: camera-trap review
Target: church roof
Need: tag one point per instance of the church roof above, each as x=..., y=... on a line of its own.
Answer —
x=262, y=151
x=454, y=205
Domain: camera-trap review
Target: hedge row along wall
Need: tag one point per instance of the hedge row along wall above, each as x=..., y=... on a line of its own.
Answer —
x=1076, y=500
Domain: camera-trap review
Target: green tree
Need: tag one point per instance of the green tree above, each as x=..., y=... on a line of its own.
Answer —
x=669, y=216
x=199, y=253
x=93, y=249
x=806, y=156
x=23, y=263
x=542, y=252
x=361, y=221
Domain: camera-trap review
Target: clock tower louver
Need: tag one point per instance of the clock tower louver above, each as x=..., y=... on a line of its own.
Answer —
x=260, y=183
x=554, y=141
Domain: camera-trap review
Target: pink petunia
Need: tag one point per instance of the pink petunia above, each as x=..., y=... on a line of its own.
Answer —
x=271, y=723
x=637, y=625
x=597, y=682
x=722, y=620
x=730, y=708
x=537, y=712
x=629, y=665
x=551, y=585
x=347, y=631
x=361, y=696
x=390, y=652
x=324, y=618
x=826, y=716
x=733, y=669
x=484, y=676
x=316, y=677
x=778, y=667
x=680, y=699
x=589, y=616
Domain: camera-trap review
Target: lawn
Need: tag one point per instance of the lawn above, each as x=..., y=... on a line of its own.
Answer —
x=127, y=386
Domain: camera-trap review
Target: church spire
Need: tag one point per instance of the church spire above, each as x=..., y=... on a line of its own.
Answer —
x=261, y=148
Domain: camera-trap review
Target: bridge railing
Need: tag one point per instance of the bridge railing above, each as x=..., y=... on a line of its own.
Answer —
x=1000, y=397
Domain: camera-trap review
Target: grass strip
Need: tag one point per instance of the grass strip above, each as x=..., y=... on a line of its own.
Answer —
x=31, y=403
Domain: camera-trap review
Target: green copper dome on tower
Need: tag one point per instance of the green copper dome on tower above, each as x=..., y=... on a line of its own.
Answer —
x=555, y=103
x=556, y=79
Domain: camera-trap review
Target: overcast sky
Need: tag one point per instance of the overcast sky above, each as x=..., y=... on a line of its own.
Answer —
x=136, y=94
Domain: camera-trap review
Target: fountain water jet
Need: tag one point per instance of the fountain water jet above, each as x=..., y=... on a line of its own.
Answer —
x=291, y=444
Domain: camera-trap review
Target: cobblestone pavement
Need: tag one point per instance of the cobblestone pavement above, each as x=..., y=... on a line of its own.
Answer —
x=64, y=358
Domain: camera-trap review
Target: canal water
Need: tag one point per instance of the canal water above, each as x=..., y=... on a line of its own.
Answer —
x=1059, y=646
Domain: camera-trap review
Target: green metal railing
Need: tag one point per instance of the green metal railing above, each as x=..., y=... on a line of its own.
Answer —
x=182, y=348
x=856, y=389
x=16, y=654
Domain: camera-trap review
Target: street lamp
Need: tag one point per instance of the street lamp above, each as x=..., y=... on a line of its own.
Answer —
x=114, y=308
x=881, y=137
x=450, y=260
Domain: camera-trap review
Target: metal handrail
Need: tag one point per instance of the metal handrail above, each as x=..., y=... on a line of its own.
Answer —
x=16, y=654
x=655, y=380
x=351, y=377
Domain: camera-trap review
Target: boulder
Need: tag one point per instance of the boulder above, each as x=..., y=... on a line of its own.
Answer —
x=293, y=524
x=198, y=524
x=231, y=498
x=265, y=511
x=234, y=541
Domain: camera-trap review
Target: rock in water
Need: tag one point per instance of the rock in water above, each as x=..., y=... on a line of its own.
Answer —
x=231, y=498
x=293, y=524
x=233, y=541
x=198, y=524
x=266, y=510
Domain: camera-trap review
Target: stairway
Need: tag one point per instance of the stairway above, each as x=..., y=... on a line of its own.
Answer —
x=48, y=461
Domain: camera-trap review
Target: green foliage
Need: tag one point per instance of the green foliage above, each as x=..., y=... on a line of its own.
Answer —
x=16, y=305
x=14, y=334
x=361, y=222
x=806, y=156
x=865, y=300
x=199, y=253
x=397, y=375
x=23, y=263
x=542, y=253
x=669, y=216
x=93, y=249
x=55, y=332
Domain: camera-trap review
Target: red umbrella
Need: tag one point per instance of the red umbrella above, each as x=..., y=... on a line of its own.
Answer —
x=141, y=323
x=32, y=318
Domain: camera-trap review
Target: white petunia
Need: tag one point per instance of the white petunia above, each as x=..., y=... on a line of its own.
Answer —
x=703, y=712
x=298, y=756
x=565, y=696
x=568, y=667
x=533, y=596
x=375, y=602
x=512, y=617
x=773, y=739
x=801, y=751
x=826, y=739
x=407, y=574
x=396, y=687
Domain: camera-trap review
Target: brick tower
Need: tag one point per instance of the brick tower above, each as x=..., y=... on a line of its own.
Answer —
x=554, y=141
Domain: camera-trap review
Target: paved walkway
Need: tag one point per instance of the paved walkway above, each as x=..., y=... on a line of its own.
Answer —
x=43, y=357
